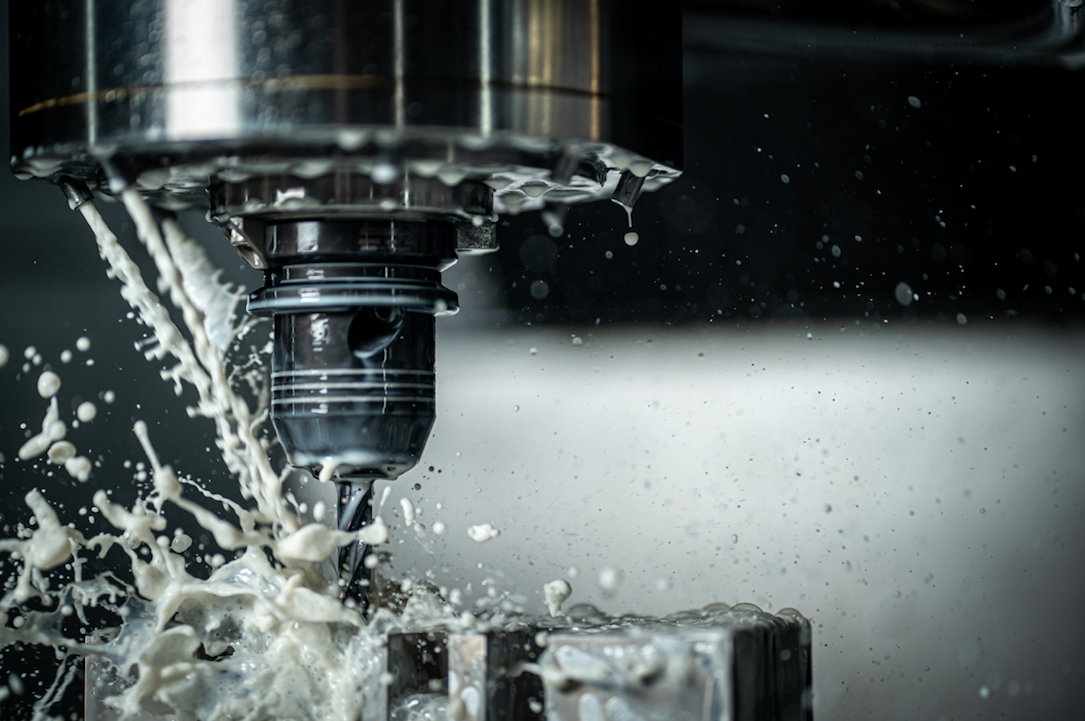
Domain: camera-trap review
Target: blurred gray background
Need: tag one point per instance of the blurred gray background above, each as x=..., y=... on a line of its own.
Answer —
x=736, y=409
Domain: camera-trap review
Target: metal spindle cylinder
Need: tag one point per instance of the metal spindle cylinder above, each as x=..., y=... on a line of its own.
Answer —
x=352, y=370
x=349, y=149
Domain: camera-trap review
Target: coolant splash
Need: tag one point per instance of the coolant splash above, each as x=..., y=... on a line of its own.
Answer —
x=265, y=634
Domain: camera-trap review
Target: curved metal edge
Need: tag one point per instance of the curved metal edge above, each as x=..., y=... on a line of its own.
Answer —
x=1049, y=37
x=438, y=301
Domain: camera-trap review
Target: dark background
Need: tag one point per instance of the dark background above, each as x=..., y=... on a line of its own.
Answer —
x=973, y=198
x=976, y=190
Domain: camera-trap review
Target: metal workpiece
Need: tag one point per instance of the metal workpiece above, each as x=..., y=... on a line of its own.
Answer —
x=468, y=676
x=736, y=665
x=713, y=665
x=487, y=677
x=417, y=665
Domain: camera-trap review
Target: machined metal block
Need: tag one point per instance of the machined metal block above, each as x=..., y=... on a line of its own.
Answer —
x=487, y=679
x=736, y=665
x=418, y=664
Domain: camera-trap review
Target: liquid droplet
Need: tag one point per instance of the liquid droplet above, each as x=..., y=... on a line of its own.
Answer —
x=903, y=293
x=48, y=384
x=86, y=412
x=610, y=578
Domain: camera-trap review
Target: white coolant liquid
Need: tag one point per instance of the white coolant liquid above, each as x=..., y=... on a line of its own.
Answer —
x=266, y=636
x=297, y=652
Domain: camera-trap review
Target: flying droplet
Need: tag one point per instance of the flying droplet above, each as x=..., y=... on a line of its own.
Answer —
x=903, y=293
x=48, y=384
x=610, y=578
x=86, y=412
x=539, y=289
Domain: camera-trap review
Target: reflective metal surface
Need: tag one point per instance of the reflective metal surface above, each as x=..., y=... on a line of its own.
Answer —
x=175, y=83
x=281, y=115
x=719, y=665
x=486, y=676
x=1041, y=32
x=352, y=378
